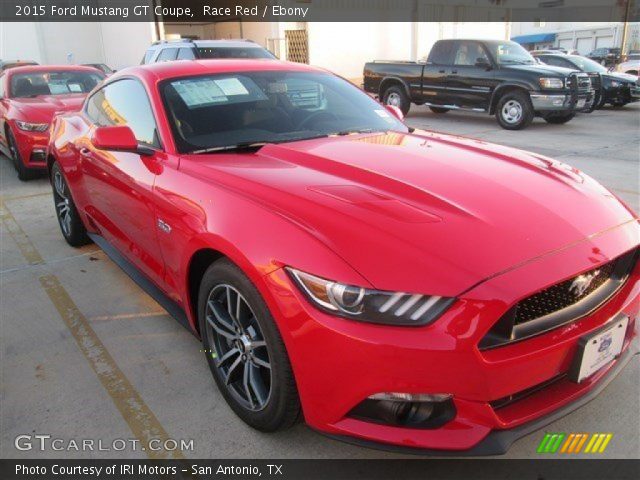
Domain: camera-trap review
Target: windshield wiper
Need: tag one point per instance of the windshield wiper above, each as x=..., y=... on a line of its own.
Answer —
x=239, y=147
x=342, y=133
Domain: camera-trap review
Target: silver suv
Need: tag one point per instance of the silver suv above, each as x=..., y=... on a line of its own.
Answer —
x=186, y=49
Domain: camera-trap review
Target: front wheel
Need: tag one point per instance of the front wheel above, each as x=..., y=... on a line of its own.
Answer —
x=558, y=119
x=396, y=96
x=245, y=351
x=23, y=172
x=514, y=110
x=71, y=225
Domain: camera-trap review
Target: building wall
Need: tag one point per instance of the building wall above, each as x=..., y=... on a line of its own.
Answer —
x=116, y=44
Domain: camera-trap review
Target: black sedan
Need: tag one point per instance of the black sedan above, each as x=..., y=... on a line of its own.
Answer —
x=611, y=87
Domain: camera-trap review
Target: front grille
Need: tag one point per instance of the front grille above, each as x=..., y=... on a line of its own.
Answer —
x=596, y=82
x=562, y=295
x=580, y=82
x=562, y=303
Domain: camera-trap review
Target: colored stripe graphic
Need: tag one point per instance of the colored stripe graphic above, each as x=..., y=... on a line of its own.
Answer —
x=574, y=442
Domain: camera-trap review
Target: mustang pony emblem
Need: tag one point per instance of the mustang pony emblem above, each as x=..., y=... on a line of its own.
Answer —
x=581, y=283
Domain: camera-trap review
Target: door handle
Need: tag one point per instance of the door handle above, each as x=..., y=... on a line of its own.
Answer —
x=454, y=71
x=440, y=71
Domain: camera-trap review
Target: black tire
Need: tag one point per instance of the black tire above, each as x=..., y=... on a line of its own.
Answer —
x=619, y=104
x=558, y=119
x=71, y=226
x=522, y=103
x=396, y=95
x=438, y=109
x=24, y=173
x=281, y=409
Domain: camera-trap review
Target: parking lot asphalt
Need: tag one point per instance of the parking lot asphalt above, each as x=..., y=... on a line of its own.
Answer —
x=86, y=354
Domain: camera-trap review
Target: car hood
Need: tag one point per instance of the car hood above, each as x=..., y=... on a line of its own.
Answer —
x=544, y=69
x=621, y=77
x=422, y=212
x=43, y=108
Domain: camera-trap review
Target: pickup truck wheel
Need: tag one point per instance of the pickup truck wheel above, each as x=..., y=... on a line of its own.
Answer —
x=557, y=119
x=514, y=111
x=396, y=96
x=439, y=109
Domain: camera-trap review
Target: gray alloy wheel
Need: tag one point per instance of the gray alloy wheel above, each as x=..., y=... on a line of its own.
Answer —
x=62, y=201
x=238, y=347
x=73, y=230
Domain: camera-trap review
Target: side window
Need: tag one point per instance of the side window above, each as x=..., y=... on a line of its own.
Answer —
x=125, y=102
x=186, y=54
x=167, y=55
x=468, y=53
x=148, y=55
x=441, y=53
x=559, y=62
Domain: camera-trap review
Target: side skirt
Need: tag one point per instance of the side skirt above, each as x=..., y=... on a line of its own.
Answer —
x=143, y=281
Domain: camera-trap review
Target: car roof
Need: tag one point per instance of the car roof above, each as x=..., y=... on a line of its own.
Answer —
x=231, y=43
x=51, y=68
x=186, y=68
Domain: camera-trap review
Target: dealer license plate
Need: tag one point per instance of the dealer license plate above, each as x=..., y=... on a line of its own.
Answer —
x=598, y=349
x=580, y=103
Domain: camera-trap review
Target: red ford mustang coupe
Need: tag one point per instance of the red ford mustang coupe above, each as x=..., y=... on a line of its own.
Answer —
x=388, y=285
x=29, y=98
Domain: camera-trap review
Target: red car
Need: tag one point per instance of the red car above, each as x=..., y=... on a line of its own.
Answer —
x=388, y=285
x=29, y=98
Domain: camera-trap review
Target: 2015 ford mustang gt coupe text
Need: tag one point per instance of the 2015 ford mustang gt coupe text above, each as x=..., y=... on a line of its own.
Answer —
x=390, y=286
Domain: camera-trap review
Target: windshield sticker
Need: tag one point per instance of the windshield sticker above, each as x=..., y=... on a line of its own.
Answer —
x=197, y=93
x=75, y=87
x=232, y=86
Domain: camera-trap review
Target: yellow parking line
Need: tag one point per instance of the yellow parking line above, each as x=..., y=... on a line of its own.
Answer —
x=139, y=417
x=27, y=248
x=143, y=423
x=607, y=439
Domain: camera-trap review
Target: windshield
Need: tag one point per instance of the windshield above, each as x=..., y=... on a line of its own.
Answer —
x=510, y=53
x=234, y=52
x=587, y=65
x=227, y=110
x=53, y=83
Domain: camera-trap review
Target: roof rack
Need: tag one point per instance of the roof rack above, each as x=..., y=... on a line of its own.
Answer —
x=173, y=40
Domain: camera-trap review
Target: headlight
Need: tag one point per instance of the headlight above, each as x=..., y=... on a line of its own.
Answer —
x=357, y=303
x=551, y=83
x=32, y=127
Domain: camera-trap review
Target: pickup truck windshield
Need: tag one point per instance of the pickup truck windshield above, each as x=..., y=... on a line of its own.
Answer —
x=218, y=112
x=33, y=84
x=510, y=53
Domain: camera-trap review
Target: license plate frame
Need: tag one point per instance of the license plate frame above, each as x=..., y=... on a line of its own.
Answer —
x=581, y=103
x=598, y=349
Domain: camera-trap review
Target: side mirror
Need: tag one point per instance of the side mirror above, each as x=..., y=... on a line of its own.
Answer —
x=482, y=62
x=395, y=111
x=118, y=137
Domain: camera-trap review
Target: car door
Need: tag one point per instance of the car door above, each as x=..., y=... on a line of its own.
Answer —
x=471, y=78
x=434, y=74
x=119, y=183
x=3, y=113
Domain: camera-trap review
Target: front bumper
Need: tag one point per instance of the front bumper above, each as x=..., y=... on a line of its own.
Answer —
x=558, y=102
x=338, y=363
x=32, y=147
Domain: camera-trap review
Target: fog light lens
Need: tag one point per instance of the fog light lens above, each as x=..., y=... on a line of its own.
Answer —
x=411, y=410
